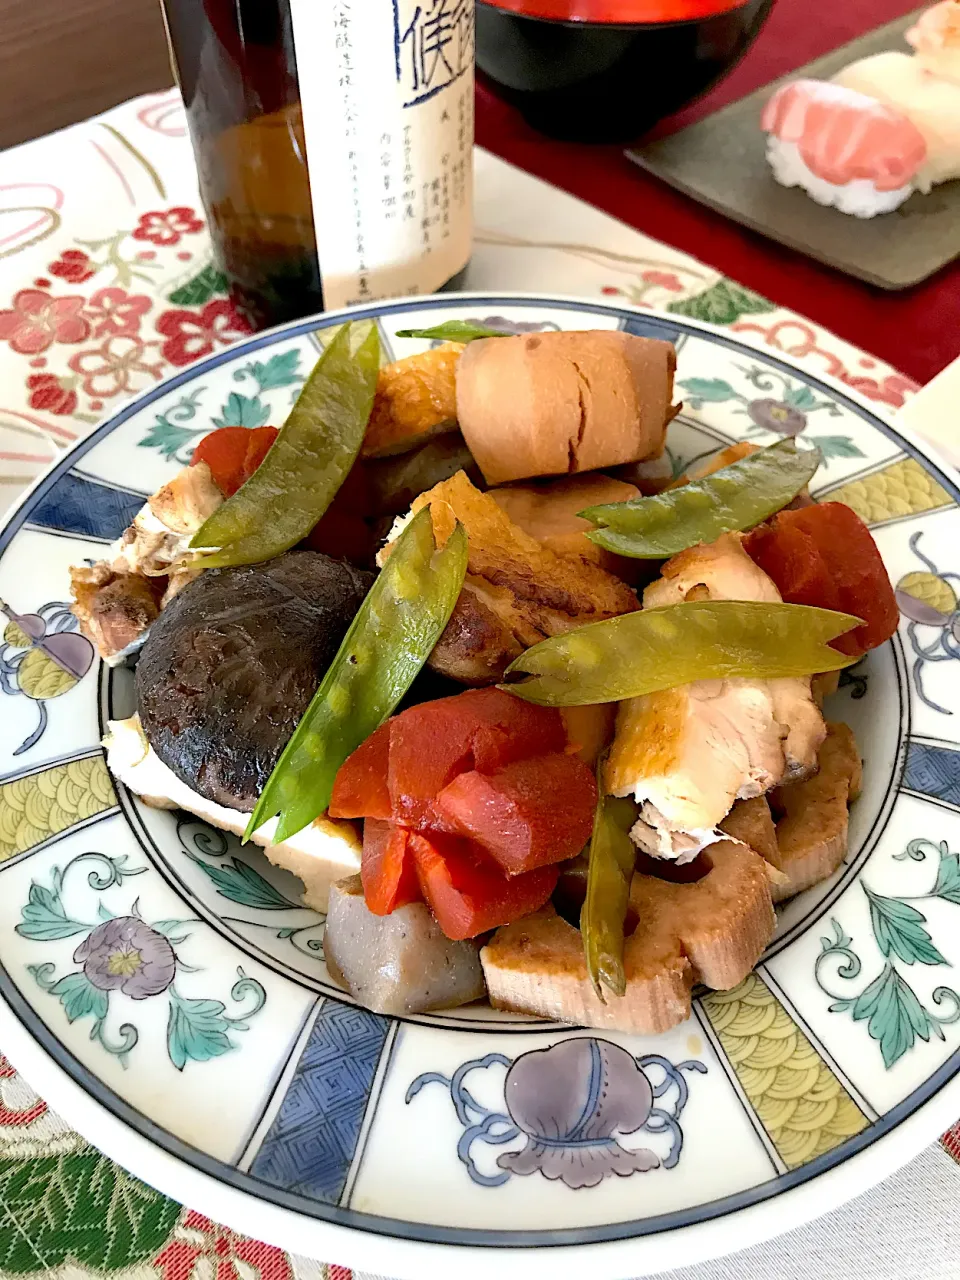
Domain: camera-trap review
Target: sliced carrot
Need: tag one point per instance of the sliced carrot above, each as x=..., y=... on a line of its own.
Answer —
x=466, y=890
x=360, y=787
x=233, y=454
x=481, y=729
x=824, y=555
x=531, y=813
x=387, y=868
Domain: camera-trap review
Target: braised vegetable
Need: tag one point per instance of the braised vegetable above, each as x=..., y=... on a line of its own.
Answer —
x=387, y=869
x=360, y=788
x=612, y=859
x=531, y=813
x=826, y=555
x=483, y=729
x=738, y=496
x=657, y=649
x=466, y=890
x=388, y=642
x=233, y=454
x=397, y=964
x=292, y=488
x=454, y=331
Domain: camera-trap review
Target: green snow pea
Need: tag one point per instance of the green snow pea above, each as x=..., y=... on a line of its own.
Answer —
x=389, y=640
x=310, y=458
x=738, y=496
x=611, y=862
x=454, y=331
x=655, y=649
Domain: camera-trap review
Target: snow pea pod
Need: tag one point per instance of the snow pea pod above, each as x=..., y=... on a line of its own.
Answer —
x=389, y=640
x=611, y=862
x=454, y=331
x=306, y=465
x=655, y=649
x=738, y=496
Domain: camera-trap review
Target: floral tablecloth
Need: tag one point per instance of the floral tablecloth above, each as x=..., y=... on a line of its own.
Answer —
x=107, y=285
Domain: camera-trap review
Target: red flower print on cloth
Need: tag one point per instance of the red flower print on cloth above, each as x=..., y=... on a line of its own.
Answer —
x=166, y=226
x=74, y=266
x=114, y=311
x=664, y=279
x=51, y=394
x=206, y=1248
x=36, y=321
x=113, y=367
x=190, y=335
x=14, y=1117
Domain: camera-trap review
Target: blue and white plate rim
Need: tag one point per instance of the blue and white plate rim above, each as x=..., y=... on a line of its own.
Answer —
x=394, y=1248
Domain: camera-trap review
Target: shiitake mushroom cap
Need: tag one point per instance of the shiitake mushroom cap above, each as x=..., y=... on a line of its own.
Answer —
x=231, y=664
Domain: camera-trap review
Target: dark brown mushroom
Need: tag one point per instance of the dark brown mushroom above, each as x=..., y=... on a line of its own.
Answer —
x=232, y=662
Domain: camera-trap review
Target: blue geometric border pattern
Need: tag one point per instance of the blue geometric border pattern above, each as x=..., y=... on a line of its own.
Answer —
x=933, y=769
x=650, y=327
x=311, y=1143
x=86, y=507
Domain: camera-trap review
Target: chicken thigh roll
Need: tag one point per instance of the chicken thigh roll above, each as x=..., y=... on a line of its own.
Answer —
x=548, y=404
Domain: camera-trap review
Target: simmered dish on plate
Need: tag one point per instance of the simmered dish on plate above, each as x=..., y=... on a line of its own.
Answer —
x=532, y=719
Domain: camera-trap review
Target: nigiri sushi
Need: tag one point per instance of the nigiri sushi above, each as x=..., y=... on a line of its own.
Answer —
x=932, y=103
x=843, y=147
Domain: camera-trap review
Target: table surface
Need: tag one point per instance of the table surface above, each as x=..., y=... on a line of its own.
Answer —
x=916, y=329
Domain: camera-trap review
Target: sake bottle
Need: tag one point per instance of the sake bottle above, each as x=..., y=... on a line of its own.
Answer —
x=333, y=141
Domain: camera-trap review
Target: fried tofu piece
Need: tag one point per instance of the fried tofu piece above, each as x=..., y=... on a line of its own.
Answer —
x=712, y=930
x=114, y=609
x=551, y=404
x=548, y=512
x=517, y=590
x=415, y=398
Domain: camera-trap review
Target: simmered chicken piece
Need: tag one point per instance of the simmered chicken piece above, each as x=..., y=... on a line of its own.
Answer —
x=548, y=512
x=416, y=398
x=117, y=599
x=687, y=754
x=517, y=591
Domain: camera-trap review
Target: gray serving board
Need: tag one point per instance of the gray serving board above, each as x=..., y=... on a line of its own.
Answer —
x=721, y=162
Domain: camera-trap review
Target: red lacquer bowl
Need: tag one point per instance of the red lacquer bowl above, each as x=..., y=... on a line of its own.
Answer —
x=607, y=70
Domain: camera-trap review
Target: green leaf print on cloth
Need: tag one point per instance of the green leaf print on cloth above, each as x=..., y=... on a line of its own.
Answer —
x=723, y=303
x=208, y=284
x=82, y=1207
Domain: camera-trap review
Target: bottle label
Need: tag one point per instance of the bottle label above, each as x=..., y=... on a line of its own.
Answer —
x=386, y=88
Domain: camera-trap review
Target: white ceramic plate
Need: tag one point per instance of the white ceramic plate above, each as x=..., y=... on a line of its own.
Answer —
x=211, y=1054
